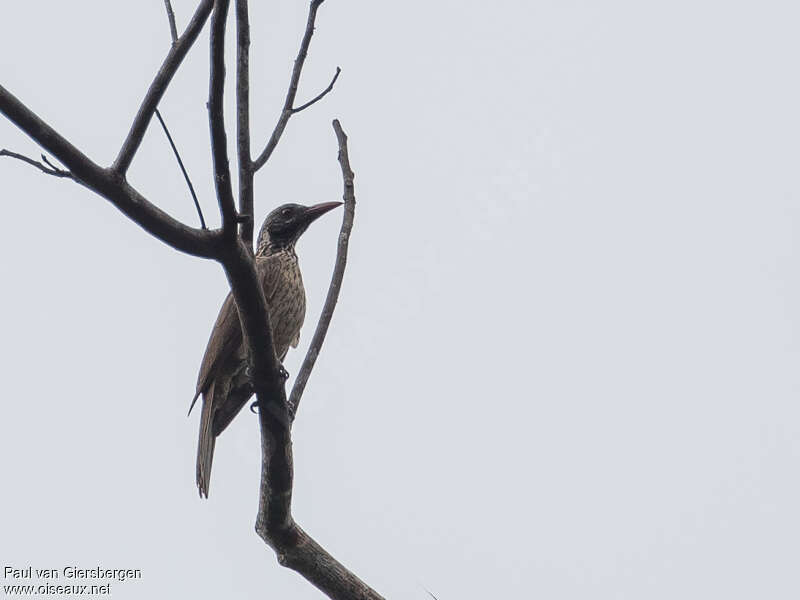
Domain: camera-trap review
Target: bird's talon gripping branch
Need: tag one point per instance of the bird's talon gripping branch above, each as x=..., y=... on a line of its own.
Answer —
x=254, y=407
x=284, y=373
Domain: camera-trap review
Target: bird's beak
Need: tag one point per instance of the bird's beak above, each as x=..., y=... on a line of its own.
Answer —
x=315, y=212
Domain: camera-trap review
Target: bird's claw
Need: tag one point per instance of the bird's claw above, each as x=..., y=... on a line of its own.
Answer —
x=283, y=373
x=290, y=409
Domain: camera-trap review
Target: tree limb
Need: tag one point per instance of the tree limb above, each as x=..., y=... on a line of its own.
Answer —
x=294, y=547
x=110, y=185
x=337, y=277
x=286, y=113
x=154, y=94
x=173, y=30
x=243, y=123
x=300, y=552
x=216, y=119
x=46, y=167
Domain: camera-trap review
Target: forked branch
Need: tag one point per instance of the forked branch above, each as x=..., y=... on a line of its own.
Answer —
x=291, y=94
x=45, y=167
x=159, y=85
x=109, y=185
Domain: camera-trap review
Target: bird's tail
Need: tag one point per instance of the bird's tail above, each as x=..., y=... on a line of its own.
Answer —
x=205, y=445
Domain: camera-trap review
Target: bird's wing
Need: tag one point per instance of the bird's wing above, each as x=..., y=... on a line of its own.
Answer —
x=272, y=271
x=269, y=269
x=226, y=338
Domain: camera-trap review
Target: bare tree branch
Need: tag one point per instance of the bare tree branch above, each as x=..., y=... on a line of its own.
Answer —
x=299, y=552
x=47, y=168
x=173, y=30
x=216, y=119
x=294, y=547
x=319, y=96
x=154, y=94
x=110, y=185
x=337, y=277
x=286, y=113
x=243, y=123
x=183, y=169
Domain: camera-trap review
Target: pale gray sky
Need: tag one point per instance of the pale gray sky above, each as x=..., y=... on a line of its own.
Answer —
x=565, y=360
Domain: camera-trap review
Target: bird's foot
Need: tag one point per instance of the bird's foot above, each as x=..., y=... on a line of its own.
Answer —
x=285, y=375
x=290, y=409
x=248, y=372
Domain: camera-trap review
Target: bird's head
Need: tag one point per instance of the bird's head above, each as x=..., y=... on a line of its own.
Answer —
x=284, y=225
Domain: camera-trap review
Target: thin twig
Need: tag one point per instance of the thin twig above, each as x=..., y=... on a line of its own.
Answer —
x=159, y=85
x=183, y=170
x=216, y=119
x=319, y=96
x=243, y=123
x=47, y=168
x=288, y=103
x=46, y=161
x=338, y=273
x=173, y=30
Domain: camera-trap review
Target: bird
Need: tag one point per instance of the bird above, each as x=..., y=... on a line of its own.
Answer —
x=224, y=380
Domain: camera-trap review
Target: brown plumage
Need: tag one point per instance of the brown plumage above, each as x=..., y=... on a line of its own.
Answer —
x=223, y=380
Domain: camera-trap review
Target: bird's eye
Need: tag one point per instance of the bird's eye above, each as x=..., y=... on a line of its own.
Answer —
x=286, y=212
